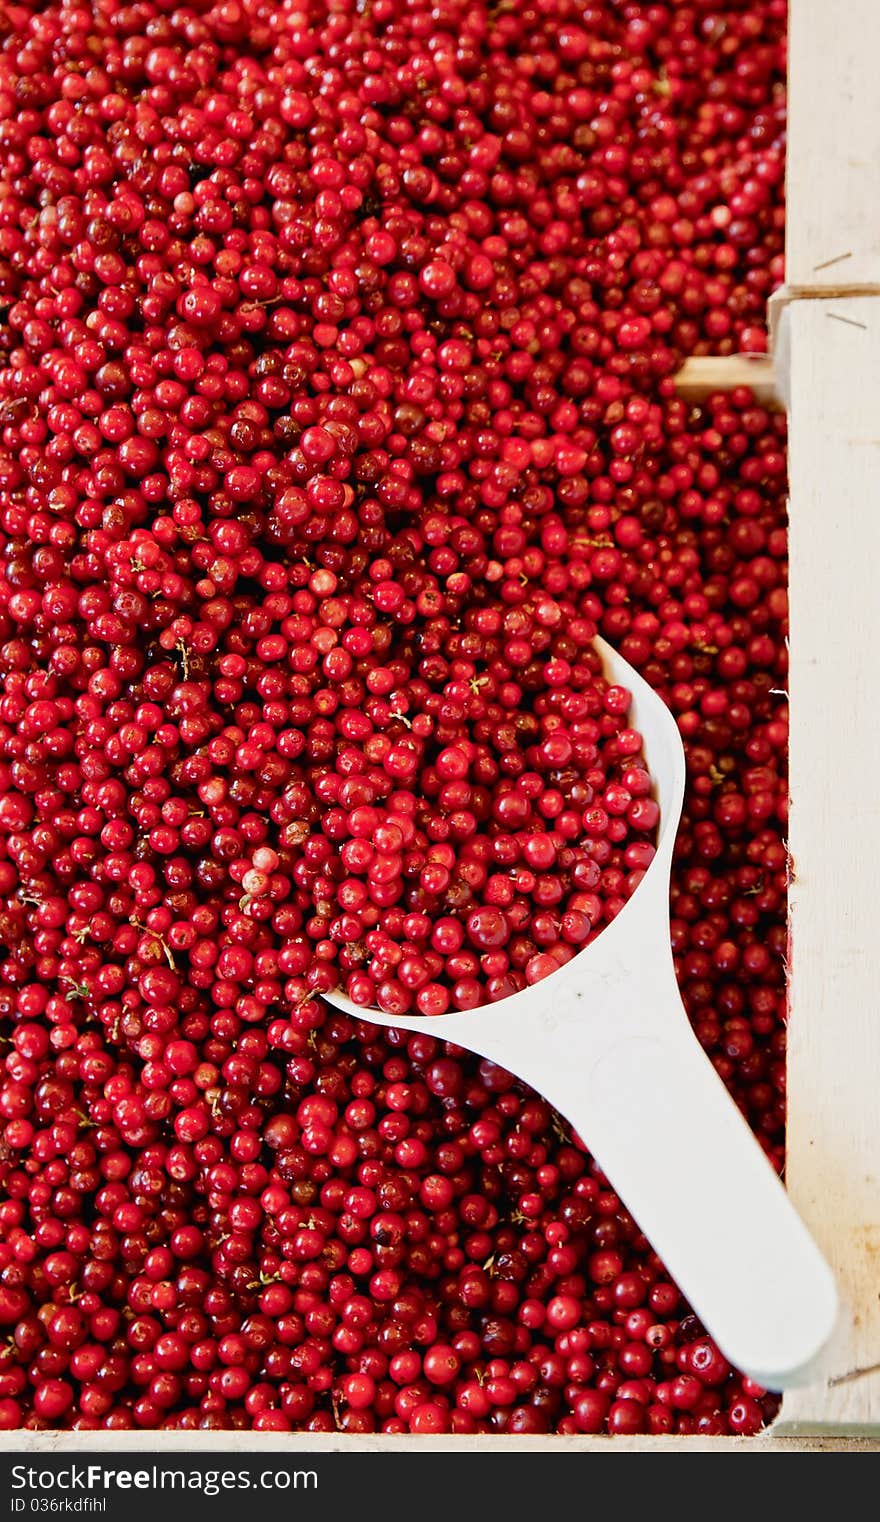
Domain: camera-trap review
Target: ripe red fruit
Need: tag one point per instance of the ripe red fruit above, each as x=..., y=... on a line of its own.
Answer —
x=336, y=421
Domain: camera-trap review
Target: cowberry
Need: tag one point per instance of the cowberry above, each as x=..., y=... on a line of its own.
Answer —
x=336, y=420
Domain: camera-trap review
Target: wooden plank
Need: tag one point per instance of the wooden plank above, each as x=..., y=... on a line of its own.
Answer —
x=833, y=149
x=833, y=1148
x=703, y=374
x=25, y=1442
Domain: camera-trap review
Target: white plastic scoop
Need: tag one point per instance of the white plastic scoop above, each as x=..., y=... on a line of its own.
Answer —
x=606, y=1040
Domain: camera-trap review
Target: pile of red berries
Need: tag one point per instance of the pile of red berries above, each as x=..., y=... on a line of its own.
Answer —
x=336, y=419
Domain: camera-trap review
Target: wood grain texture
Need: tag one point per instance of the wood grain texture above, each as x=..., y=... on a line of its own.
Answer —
x=833, y=151
x=833, y=1146
x=226, y=1443
x=703, y=374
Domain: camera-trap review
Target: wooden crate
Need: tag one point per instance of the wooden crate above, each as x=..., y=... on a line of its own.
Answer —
x=826, y=329
x=826, y=323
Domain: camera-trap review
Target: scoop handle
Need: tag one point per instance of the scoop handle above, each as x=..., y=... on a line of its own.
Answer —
x=682, y=1158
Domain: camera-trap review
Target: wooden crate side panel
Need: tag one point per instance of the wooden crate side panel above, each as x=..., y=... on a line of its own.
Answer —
x=833, y=152
x=833, y=1165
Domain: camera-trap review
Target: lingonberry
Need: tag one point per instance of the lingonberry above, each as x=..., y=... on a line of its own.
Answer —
x=336, y=420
